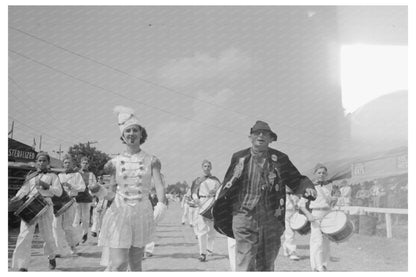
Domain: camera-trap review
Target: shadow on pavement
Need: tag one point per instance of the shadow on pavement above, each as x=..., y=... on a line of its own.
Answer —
x=177, y=244
x=85, y=268
x=177, y=269
x=90, y=255
x=169, y=236
x=177, y=256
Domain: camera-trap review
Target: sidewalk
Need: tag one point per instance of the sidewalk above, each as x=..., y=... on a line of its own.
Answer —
x=177, y=250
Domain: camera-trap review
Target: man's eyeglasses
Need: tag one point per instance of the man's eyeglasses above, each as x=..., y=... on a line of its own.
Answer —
x=263, y=132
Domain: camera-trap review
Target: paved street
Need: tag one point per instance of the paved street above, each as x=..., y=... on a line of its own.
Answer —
x=177, y=250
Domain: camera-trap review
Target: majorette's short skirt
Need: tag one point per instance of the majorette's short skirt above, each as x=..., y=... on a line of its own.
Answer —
x=125, y=225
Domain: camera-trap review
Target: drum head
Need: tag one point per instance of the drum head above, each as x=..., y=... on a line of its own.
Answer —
x=297, y=221
x=333, y=222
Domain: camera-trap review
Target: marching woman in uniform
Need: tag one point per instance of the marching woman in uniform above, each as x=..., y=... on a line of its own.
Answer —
x=319, y=244
x=47, y=185
x=203, y=190
x=129, y=223
x=63, y=228
x=84, y=199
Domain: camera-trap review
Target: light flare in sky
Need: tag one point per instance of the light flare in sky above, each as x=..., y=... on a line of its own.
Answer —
x=369, y=71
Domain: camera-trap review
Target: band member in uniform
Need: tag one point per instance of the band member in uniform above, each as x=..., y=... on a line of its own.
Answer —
x=251, y=204
x=47, y=184
x=84, y=200
x=289, y=245
x=204, y=189
x=63, y=228
x=185, y=206
x=129, y=223
x=192, y=210
x=319, y=244
x=99, y=210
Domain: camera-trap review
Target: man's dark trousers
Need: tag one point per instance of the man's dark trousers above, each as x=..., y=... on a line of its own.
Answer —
x=257, y=233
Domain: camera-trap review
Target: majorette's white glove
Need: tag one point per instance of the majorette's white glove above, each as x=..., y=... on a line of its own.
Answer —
x=159, y=211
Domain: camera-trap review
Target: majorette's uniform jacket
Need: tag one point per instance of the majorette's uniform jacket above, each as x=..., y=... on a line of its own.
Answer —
x=281, y=173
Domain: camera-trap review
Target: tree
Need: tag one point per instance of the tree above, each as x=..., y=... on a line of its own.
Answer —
x=178, y=188
x=97, y=158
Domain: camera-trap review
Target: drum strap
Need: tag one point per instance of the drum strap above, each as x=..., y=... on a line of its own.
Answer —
x=30, y=177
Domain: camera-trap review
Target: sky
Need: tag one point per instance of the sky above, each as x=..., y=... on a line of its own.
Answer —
x=198, y=78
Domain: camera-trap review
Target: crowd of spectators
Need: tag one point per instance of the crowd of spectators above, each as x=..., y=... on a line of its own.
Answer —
x=390, y=193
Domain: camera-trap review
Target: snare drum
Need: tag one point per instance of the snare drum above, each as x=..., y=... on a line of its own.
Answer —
x=32, y=209
x=336, y=226
x=62, y=203
x=299, y=223
x=206, y=208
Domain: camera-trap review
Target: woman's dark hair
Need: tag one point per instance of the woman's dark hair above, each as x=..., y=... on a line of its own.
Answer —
x=143, y=135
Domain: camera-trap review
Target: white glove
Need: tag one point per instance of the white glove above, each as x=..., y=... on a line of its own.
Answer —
x=159, y=211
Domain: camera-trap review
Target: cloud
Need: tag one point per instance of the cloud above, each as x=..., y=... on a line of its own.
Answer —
x=202, y=67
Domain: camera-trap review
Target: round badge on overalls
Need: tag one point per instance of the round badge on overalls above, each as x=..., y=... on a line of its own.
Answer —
x=274, y=158
x=276, y=187
x=282, y=202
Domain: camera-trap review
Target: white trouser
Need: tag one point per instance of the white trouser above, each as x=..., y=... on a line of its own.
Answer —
x=185, y=216
x=150, y=247
x=192, y=214
x=289, y=245
x=97, y=219
x=64, y=223
x=231, y=252
x=319, y=244
x=21, y=254
x=83, y=215
x=204, y=229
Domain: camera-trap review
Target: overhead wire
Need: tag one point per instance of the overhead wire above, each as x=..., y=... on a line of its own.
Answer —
x=39, y=131
x=159, y=85
x=49, y=115
x=146, y=104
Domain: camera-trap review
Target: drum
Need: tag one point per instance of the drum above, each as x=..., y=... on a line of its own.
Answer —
x=206, y=208
x=336, y=226
x=299, y=223
x=62, y=203
x=32, y=209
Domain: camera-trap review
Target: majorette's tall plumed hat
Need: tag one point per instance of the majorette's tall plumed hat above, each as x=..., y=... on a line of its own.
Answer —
x=126, y=117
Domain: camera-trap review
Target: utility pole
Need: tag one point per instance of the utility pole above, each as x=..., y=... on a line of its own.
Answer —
x=91, y=142
x=11, y=131
x=59, y=152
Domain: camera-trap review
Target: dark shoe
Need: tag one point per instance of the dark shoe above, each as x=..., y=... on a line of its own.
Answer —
x=183, y=223
x=93, y=234
x=58, y=256
x=84, y=238
x=52, y=264
x=23, y=269
x=202, y=258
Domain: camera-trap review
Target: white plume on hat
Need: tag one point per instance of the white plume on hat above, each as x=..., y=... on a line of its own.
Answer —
x=126, y=117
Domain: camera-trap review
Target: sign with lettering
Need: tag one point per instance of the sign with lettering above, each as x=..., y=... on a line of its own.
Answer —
x=20, y=152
